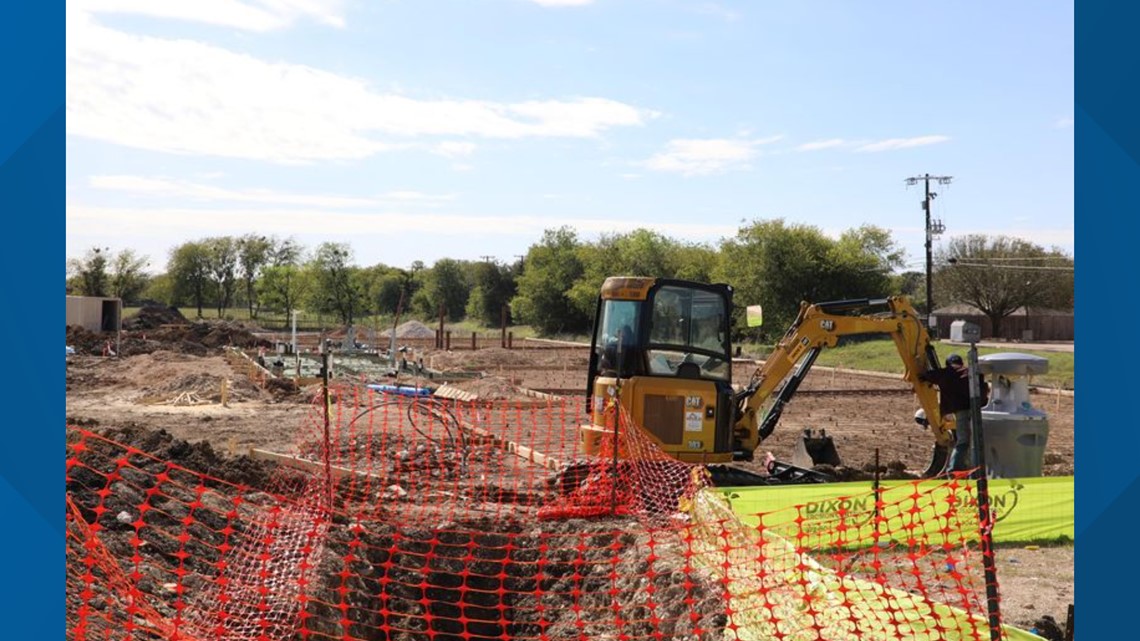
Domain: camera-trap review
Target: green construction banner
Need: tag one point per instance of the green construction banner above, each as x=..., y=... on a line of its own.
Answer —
x=1026, y=510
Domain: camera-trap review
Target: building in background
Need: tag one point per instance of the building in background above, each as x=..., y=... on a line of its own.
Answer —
x=1024, y=324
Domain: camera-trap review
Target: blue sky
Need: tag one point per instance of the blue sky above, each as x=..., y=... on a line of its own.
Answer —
x=421, y=130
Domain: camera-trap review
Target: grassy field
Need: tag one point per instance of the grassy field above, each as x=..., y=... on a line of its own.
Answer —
x=881, y=356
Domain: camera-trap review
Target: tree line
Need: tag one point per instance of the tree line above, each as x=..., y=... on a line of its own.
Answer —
x=555, y=285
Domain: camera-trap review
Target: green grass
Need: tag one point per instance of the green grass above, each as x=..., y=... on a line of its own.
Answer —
x=881, y=356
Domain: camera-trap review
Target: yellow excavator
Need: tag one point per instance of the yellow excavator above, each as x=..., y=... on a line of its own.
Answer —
x=662, y=349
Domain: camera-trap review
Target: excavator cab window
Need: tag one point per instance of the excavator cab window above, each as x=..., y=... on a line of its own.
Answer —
x=688, y=334
x=619, y=346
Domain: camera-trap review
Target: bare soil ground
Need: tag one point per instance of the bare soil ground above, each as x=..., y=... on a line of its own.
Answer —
x=180, y=393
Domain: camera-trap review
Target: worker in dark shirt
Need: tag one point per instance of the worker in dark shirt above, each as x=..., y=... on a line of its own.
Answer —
x=953, y=383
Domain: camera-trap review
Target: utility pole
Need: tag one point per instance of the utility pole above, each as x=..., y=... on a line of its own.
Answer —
x=932, y=229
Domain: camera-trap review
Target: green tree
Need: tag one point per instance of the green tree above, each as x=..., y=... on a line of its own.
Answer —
x=221, y=267
x=189, y=268
x=383, y=286
x=863, y=262
x=445, y=284
x=282, y=287
x=160, y=288
x=777, y=265
x=285, y=252
x=1000, y=274
x=911, y=284
x=88, y=275
x=550, y=269
x=128, y=276
x=697, y=262
x=254, y=254
x=493, y=287
x=641, y=252
x=338, y=286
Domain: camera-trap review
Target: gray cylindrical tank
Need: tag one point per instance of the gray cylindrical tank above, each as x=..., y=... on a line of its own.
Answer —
x=1015, y=432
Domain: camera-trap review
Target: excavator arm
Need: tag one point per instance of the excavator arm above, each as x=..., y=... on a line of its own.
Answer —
x=819, y=326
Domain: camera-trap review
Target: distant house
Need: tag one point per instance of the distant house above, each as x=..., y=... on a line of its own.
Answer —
x=1024, y=324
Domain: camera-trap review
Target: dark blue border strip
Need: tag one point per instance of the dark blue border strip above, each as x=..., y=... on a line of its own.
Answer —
x=1106, y=210
x=32, y=261
x=32, y=50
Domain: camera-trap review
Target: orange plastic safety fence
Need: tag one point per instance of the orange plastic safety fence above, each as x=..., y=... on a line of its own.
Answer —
x=418, y=519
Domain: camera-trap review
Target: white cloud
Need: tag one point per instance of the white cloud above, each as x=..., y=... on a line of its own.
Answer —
x=823, y=144
x=454, y=148
x=1063, y=123
x=156, y=187
x=187, y=97
x=250, y=15
x=693, y=157
x=563, y=3
x=892, y=144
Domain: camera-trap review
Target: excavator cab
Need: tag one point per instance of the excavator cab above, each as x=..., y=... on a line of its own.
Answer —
x=664, y=345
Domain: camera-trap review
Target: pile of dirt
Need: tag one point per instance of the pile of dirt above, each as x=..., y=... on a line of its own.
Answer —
x=282, y=387
x=197, y=338
x=208, y=387
x=84, y=340
x=194, y=338
x=410, y=329
x=197, y=457
x=154, y=316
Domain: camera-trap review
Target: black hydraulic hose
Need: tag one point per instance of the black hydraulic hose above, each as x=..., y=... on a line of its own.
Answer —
x=786, y=393
x=831, y=307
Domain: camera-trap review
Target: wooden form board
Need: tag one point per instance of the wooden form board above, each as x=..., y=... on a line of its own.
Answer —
x=306, y=465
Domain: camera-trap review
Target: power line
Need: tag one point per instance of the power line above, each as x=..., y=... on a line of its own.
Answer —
x=957, y=263
x=1027, y=258
x=933, y=228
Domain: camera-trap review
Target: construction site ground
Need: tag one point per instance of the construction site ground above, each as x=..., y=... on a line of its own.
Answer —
x=179, y=391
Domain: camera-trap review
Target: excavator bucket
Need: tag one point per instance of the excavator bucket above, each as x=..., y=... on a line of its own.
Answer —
x=938, y=458
x=811, y=450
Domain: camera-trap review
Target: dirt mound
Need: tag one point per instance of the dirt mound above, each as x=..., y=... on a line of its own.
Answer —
x=282, y=387
x=148, y=335
x=194, y=338
x=155, y=316
x=411, y=329
x=197, y=457
x=85, y=341
x=205, y=386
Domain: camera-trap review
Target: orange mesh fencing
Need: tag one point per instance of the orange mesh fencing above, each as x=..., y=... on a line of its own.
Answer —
x=420, y=519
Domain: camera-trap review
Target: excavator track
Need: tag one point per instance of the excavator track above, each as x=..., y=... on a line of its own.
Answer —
x=779, y=473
